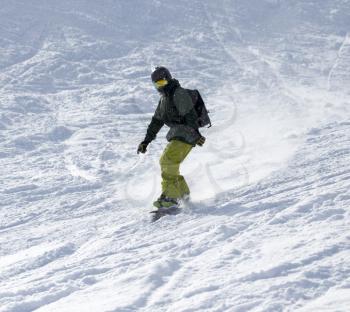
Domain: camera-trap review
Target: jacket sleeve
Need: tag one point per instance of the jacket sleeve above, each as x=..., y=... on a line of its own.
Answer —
x=153, y=128
x=185, y=107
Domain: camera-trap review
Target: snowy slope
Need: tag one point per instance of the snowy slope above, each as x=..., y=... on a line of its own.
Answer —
x=268, y=226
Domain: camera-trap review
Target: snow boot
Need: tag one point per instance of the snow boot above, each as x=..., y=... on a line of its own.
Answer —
x=165, y=202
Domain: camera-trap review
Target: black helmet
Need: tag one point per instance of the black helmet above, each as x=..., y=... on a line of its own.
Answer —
x=161, y=73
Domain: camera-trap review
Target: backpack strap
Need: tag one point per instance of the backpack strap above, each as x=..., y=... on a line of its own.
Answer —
x=171, y=99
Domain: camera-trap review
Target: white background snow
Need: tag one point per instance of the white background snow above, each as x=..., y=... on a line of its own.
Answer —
x=268, y=225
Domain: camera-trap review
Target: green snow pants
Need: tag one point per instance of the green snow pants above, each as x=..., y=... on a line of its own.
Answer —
x=174, y=184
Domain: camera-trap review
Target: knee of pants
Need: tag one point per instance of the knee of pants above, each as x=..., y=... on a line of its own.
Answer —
x=169, y=167
x=170, y=170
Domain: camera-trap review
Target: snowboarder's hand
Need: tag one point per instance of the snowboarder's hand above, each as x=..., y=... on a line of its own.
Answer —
x=142, y=147
x=201, y=141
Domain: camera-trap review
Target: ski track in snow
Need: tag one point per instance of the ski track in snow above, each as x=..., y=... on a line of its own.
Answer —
x=268, y=226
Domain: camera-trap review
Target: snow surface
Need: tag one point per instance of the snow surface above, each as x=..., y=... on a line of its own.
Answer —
x=268, y=225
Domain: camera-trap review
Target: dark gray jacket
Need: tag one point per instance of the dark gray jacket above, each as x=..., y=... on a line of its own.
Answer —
x=176, y=110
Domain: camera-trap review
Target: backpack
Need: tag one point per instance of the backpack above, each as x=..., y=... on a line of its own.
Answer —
x=199, y=106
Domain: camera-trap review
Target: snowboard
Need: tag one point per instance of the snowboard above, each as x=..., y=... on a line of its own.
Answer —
x=165, y=211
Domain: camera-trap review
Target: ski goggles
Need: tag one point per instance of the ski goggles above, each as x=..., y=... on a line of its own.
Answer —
x=160, y=83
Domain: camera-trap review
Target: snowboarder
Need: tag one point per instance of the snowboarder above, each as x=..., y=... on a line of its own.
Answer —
x=176, y=110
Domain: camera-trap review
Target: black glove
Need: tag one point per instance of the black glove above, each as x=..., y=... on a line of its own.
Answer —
x=201, y=141
x=142, y=147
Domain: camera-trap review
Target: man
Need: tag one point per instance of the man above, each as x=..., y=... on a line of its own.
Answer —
x=176, y=110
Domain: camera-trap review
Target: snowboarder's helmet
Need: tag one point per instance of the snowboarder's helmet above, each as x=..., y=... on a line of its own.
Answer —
x=161, y=73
